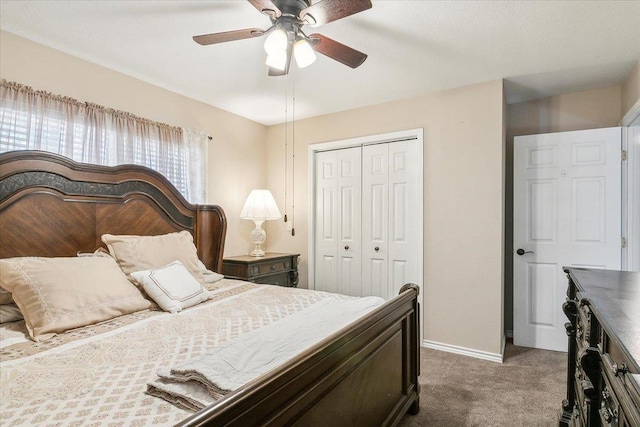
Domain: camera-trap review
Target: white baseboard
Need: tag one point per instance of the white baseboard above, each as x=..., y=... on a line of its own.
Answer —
x=478, y=354
x=508, y=333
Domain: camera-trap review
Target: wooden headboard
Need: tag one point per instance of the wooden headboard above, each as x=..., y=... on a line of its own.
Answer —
x=52, y=206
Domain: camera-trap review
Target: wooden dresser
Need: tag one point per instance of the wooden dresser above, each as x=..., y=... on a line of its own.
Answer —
x=603, y=376
x=271, y=269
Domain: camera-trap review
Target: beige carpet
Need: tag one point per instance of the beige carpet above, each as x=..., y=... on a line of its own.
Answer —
x=456, y=391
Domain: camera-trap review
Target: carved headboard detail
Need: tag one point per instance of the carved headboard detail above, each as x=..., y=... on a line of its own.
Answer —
x=53, y=206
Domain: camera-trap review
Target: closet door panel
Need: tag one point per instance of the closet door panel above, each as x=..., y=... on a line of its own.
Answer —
x=404, y=214
x=326, y=219
x=349, y=221
x=375, y=196
x=374, y=277
x=367, y=216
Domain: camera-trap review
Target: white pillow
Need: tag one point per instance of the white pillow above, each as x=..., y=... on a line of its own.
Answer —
x=172, y=287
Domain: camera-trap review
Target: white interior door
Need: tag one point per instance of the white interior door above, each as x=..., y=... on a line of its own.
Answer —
x=375, y=211
x=337, y=234
x=404, y=215
x=326, y=213
x=567, y=212
x=390, y=217
x=349, y=227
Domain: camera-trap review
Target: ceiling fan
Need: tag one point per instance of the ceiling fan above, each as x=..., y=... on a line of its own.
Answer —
x=286, y=38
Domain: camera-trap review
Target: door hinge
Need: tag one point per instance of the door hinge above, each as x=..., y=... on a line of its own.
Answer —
x=624, y=242
x=624, y=155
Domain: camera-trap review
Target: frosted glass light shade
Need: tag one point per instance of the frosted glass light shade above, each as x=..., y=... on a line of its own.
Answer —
x=277, y=60
x=260, y=205
x=303, y=52
x=276, y=41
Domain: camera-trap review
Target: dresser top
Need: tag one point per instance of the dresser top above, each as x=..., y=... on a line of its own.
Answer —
x=615, y=298
x=247, y=259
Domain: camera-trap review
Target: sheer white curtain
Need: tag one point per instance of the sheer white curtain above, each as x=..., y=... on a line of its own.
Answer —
x=89, y=133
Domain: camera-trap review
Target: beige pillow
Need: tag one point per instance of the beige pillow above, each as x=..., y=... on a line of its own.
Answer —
x=56, y=294
x=5, y=297
x=207, y=275
x=138, y=253
x=172, y=287
x=10, y=313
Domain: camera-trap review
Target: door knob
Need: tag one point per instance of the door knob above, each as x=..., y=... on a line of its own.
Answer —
x=522, y=252
x=376, y=249
x=346, y=248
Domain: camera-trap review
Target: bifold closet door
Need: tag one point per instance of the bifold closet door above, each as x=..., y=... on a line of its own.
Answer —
x=338, y=221
x=390, y=217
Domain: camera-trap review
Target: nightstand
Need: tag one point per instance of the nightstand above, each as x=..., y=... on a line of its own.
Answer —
x=272, y=269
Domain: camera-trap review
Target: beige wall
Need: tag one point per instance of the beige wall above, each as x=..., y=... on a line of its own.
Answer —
x=576, y=111
x=463, y=142
x=631, y=89
x=463, y=202
x=236, y=154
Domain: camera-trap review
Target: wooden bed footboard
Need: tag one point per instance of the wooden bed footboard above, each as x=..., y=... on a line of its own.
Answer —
x=365, y=375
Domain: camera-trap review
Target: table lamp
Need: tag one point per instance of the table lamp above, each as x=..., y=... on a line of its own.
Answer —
x=259, y=207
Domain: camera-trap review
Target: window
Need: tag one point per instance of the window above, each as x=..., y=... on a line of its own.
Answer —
x=89, y=133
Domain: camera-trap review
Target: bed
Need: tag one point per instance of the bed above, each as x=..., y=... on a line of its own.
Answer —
x=364, y=374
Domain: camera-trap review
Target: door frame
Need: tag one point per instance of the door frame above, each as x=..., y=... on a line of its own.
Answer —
x=631, y=186
x=417, y=134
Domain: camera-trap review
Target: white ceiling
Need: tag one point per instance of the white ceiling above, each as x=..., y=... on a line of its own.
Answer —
x=541, y=48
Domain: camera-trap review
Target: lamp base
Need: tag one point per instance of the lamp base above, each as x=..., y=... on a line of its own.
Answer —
x=258, y=237
x=257, y=251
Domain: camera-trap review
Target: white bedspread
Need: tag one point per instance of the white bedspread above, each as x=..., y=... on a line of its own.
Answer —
x=97, y=376
x=199, y=382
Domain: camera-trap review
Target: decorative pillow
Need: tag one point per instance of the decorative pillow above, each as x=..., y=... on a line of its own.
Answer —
x=56, y=294
x=208, y=275
x=5, y=297
x=98, y=252
x=173, y=287
x=10, y=313
x=138, y=253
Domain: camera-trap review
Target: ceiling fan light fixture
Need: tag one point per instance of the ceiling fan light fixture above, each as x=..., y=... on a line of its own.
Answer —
x=303, y=52
x=277, y=59
x=276, y=42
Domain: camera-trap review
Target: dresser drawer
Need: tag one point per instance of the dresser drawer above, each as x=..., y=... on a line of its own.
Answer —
x=269, y=267
x=619, y=381
x=280, y=279
x=610, y=411
x=272, y=269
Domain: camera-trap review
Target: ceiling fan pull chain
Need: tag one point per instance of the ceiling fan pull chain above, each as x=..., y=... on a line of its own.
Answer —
x=286, y=147
x=293, y=156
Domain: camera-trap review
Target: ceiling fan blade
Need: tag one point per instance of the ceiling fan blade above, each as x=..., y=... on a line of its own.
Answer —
x=267, y=7
x=227, y=36
x=326, y=11
x=335, y=50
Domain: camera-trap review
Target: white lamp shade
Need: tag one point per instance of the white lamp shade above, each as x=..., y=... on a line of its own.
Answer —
x=303, y=52
x=277, y=59
x=276, y=42
x=260, y=205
